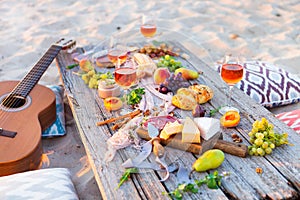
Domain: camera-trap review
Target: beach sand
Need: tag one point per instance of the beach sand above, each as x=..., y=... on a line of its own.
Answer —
x=260, y=30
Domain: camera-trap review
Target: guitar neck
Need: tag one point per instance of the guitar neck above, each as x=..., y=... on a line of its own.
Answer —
x=31, y=79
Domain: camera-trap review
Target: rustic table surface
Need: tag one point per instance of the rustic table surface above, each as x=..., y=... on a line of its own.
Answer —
x=280, y=178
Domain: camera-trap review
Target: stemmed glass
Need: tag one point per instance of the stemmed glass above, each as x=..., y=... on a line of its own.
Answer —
x=117, y=52
x=148, y=26
x=125, y=76
x=232, y=71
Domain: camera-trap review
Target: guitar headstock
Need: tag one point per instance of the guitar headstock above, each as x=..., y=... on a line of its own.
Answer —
x=66, y=43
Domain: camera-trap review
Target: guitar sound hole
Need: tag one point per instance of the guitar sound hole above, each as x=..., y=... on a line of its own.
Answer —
x=14, y=102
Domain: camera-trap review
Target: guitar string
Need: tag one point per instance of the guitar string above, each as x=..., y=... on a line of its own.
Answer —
x=9, y=100
x=20, y=86
x=47, y=59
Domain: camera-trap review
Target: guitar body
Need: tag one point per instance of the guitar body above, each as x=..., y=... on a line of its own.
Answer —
x=24, y=151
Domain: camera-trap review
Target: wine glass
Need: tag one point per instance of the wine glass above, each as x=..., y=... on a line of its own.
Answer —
x=148, y=26
x=232, y=72
x=117, y=52
x=125, y=77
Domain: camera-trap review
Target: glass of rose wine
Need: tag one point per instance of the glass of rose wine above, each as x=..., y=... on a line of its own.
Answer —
x=125, y=77
x=232, y=71
x=148, y=26
x=117, y=52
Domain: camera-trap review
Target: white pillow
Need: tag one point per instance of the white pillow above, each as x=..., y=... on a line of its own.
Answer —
x=51, y=183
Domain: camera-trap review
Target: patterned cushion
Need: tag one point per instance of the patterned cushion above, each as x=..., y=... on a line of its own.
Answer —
x=52, y=183
x=58, y=127
x=291, y=118
x=269, y=85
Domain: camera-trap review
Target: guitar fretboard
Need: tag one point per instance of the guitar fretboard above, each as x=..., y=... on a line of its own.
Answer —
x=31, y=79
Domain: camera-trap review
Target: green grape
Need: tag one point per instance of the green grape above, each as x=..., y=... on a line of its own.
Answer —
x=272, y=145
x=254, y=130
x=265, y=133
x=85, y=78
x=255, y=124
x=103, y=76
x=260, y=135
x=260, y=151
x=260, y=125
x=265, y=145
x=264, y=139
x=268, y=150
x=258, y=142
x=91, y=73
x=254, y=150
x=251, y=134
x=93, y=83
x=252, y=139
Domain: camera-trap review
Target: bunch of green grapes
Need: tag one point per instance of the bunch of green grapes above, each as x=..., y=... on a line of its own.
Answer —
x=264, y=139
x=91, y=78
x=169, y=62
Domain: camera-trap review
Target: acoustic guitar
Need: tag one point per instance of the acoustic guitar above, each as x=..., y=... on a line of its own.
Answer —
x=26, y=109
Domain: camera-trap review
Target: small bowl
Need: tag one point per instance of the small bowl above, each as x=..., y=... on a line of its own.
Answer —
x=108, y=91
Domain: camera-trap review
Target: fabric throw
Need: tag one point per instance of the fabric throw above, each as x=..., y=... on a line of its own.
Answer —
x=58, y=127
x=51, y=183
x=291, y=118
x=269, y=85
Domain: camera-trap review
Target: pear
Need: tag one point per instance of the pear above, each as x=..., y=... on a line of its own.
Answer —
x=187, y=74
x=211, y=159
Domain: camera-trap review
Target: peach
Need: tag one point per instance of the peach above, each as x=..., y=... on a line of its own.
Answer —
x=160, y=75
x=230, y=119
x=113, y=103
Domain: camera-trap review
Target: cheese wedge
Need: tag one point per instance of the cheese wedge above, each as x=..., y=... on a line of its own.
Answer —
x=171, y=128
x=208, y=126
x=190, y=132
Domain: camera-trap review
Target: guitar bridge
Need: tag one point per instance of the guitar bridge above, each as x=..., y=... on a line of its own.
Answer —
x=6, y=133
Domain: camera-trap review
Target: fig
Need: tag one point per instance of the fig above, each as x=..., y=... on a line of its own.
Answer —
x=163, y=89
x=198, y=111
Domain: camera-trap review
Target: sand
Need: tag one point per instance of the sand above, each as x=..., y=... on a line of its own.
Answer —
x=259, y=30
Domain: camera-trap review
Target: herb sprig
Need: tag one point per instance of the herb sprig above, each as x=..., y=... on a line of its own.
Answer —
x=126, y=175
x=213, y=181
x=135, y=96
x=214, y=111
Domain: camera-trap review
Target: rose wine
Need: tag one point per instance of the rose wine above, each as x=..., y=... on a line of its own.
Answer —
x=232, y=73
x=148, y=30
x=125, y=77
x=116, y=55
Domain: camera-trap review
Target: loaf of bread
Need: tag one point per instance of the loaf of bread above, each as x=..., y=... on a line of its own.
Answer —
x=184, y=102
x=203, y=93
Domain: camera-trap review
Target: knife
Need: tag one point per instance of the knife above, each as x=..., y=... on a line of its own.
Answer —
x=158, y=149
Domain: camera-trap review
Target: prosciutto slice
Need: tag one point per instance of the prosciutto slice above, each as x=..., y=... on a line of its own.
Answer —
x=160, y=121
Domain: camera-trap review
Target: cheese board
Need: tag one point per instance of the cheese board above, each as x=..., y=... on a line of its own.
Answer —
x=175, y=141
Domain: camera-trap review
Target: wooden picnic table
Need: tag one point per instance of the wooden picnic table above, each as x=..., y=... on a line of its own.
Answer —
x=280, y=178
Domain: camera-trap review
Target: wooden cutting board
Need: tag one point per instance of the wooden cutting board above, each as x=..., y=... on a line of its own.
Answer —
x=216, y=142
